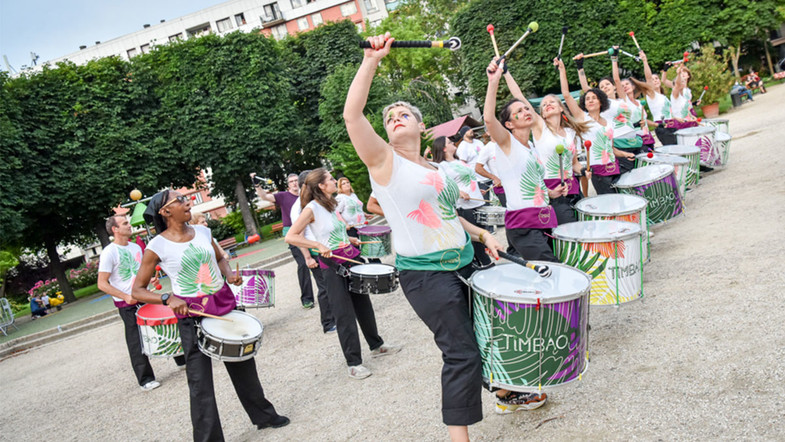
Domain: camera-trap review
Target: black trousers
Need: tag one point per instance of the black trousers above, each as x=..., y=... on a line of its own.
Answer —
x=480, y=257
x=667, y=136
x=326, y=315
x=139, y=362
x=604, y=184
x=531, y=244
x=441, y=301
x=199, y=370
x=563, y=206
x=349, y=309
x=626, y=165
x=303, y=276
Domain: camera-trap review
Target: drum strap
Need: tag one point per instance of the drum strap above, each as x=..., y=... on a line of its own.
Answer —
x=342, y=271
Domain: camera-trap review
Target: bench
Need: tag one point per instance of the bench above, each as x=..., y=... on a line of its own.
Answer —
x=230, y=245
x=745, y=79
x=277, y=228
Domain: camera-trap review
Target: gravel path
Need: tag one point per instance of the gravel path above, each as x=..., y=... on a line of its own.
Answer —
x=699, y=359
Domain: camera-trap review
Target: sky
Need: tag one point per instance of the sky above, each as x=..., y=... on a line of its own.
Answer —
x=54, y=28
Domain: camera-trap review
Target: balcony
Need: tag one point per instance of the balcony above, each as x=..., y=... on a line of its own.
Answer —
x=272, y=16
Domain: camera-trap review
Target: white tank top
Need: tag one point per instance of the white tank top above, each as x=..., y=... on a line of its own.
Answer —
x=601, y=137
x=522, y=175
x=351, y=209
x=327, y=228
x=419, y=205
x=680, y=106
x=546, y=149
x=191, y=265
x=466, y=179
x=295, y=213
x=660, y=107
x=488, y=157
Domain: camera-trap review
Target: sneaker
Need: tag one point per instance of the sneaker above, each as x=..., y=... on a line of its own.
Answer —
x=385, y=350
x=331, y=329
x=308, y=305
x=152, y=385
x=520, y=401
x=359, y=372
x=277, y=422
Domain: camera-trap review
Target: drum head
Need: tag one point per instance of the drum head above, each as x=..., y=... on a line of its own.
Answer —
x=722, y=136
x=243, y=326
x=678, y=149
x=154, y=311
x=661, y=158
x=597, y=231
x=644, y=175
x=697, y=130
x=374, y=230
x=716, y=120
x=515, y=283
x=373, y=269
x=611, y=204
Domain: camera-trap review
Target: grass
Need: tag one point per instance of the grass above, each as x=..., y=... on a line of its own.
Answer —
x=79, y=293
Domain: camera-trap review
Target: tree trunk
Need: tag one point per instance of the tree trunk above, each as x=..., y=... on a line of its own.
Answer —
x=735, y=52
x=56, y=267
x=100, y=231
x=245, y=208
x=768, y=55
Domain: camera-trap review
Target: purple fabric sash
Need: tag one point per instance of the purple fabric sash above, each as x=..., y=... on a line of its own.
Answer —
x=571, y=183
x=673, y=124
x=647, y=139
x=347, y=252
x=121, y=304
x=531, y=218
x=218, y=304
x=498, y=190
x=609, y=169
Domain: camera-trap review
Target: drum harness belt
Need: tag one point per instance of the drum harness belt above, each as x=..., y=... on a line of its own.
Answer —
x=340, y=269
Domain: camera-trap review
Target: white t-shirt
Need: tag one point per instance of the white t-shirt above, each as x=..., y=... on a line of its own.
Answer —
x=681, y=105
x=601, y=137
x=419, y=204
x=327, y=228
x=627, y=113
x=466, y=179
x=191, y=265
x=522, y=175
x=351, y=209
x=294, y=214
x=660, y=107
x=122, y=263
x=546, y=149
x=488, y=157
x=469, y=152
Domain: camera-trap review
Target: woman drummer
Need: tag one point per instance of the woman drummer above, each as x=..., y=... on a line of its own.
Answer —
x=659, y=104
x=431, y=241
x=348, y=308
x=350, y=208
x=188, y=255
x=553, y=127
x=471, y=198
x=632, y=136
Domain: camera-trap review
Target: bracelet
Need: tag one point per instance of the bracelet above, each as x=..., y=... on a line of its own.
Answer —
x=480, y=236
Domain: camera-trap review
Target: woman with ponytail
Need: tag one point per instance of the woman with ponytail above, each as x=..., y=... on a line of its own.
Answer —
x=348, y=308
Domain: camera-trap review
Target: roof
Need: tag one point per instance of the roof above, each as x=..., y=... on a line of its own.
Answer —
x=452, y=127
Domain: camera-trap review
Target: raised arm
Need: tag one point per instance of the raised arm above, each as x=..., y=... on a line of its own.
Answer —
x=516, y=92
x=615, y=72
x=572, y=105
x=371, y=148
x=492, y=124
x=581, y=73
x=678, y=83
x=646, y=68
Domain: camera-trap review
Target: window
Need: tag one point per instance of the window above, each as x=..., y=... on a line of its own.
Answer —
x=175, y=37
x=145, y=48
x=302, y=24
x=279, y=32
x=272, y=13
x=370, y=5
x=199, y=199
x=224, y=25
x=348, y=9
x=360, y=27
x=316, y=19
x=239, y=19
x=198, y=31
x=297, y=3
x=132, y=53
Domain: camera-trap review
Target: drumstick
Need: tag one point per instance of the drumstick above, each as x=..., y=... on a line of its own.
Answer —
x=543, y=271
x=454, y=43
x=533, y=27
x=596, y=54
x=584, y=178
x=490, y=29
x=347, y=259
x=480, y=199
x=370, y=242
x=158, y=276
x=632, y=34
x=705, y=88
x=561, y=45
x=207, y=315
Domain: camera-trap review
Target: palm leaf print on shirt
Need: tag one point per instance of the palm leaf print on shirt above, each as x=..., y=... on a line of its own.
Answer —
x=128, y=266
x=338, y=237
x=425, y=215
x=197, y=276
x=532, y=185
x=447, y=198
x=465, y=176
x=602, y=148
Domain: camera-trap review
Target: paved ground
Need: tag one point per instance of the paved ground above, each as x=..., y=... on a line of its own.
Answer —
x=699, y=359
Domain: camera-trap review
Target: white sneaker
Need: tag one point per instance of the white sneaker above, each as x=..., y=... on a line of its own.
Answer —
x=385, y=350
x=152, y=385
x=359, y=372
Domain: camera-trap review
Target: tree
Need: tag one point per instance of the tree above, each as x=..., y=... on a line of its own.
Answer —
x=740, y=20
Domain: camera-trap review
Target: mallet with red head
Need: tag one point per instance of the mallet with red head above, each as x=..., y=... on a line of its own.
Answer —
x=490, y=29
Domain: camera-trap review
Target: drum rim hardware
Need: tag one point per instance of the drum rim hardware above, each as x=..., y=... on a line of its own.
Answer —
x=557, y=234
x=664, y=173
x=597, y=212
x=520, y=299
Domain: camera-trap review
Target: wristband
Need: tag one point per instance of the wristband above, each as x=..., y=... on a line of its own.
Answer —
x=579, y=63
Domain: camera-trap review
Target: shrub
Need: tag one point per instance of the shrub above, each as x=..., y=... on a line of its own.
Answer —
x=84, y=276
x=710, y=69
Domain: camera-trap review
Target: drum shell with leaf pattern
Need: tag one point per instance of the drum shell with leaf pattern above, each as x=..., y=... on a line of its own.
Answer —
x=617, y=207
x=257, y=290
x=158, y=331
x=377, y=239
x=691, y=153
x=657, y=183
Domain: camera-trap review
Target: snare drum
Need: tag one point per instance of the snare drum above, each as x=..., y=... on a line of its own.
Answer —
x=380, y=238
x=703, y=138
x=373, y=279
x=230, y=341
x=658, y=185
x=531, y=331
x=723, y=140
x=679, y=164
x=691, y=153
x=258, y=289
x=490, y=215
x=609, y=252
x=617, y=207
x=158, y=331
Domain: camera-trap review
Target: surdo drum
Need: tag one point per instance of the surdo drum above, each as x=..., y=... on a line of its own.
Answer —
x=609, y=252
x=158, y=331
x=691, y=153
x=373, y=279
x=617, y=207
x=723, y=141
x=531, y=331
x=257, y=290
x=379, y=241
x=233, y=341
x=657, y=183
x=679, y=164
x=703, y=138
